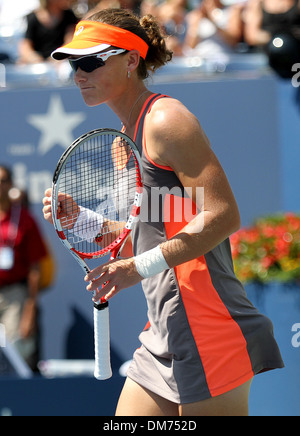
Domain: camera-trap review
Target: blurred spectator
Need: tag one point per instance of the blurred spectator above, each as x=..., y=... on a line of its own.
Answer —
x=48, y=27
x=215, y=27
x=148, y=7
x=274, y=25
x=13, y=11
x=21, y=251
x=12, y=26
x=172, y=16
x=132, y=5
x=265, y=18
x=95, y=6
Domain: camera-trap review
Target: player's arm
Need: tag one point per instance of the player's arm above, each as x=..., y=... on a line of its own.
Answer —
x=176, y=139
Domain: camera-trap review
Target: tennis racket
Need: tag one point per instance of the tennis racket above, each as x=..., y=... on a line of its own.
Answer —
x=96, y=198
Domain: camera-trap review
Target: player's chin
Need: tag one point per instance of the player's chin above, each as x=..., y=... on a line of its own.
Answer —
x=89, y=97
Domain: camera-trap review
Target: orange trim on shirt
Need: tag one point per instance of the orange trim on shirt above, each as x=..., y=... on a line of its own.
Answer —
x=140, y=116
x=219, y=339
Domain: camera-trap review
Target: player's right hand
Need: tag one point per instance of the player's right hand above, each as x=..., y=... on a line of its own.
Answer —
x=68, y=210
x=47, y=209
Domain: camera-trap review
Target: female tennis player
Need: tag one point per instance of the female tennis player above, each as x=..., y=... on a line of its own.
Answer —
x=204, y=341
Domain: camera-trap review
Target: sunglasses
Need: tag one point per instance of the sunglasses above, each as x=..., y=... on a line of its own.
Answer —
x=92, y=62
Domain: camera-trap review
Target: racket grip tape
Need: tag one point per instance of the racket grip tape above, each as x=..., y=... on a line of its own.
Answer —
x=102, y=342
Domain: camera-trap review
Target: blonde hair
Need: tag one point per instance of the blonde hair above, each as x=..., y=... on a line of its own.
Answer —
x=146, y=28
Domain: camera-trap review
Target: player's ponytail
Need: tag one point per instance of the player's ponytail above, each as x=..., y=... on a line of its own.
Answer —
x=158, y=54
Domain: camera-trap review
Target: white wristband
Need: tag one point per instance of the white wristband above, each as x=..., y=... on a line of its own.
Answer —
x=88, y=224
x=150, y=263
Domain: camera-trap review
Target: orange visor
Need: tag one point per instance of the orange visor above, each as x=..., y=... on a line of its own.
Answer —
x=92, y=37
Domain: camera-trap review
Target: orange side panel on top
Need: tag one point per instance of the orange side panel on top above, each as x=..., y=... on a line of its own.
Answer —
x=219, y=339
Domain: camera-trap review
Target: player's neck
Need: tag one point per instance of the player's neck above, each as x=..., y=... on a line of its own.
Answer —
x=128, y=110
x=134, y=112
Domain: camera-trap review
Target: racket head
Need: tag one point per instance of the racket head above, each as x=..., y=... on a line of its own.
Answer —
x=100, y=173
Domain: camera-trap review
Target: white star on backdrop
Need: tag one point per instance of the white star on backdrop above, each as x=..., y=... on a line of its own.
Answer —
x=56, y=125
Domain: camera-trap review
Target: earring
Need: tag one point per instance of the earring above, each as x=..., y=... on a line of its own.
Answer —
x=129, y=74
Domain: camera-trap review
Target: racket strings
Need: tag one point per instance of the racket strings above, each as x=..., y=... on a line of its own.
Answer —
x=101, y=179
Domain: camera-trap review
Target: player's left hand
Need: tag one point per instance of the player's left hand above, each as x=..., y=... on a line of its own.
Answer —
x=110, y=278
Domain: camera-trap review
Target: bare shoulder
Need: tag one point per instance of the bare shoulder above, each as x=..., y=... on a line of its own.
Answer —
x=169, y=128
x=168, y=112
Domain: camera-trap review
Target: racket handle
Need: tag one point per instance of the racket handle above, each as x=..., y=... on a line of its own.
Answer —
x=102, y=342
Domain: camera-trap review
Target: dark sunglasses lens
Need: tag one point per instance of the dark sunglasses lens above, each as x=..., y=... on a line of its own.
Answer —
x=88, y=64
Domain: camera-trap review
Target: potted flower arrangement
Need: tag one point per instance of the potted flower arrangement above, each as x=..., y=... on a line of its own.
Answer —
x=269, y=250
x=266, y=258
